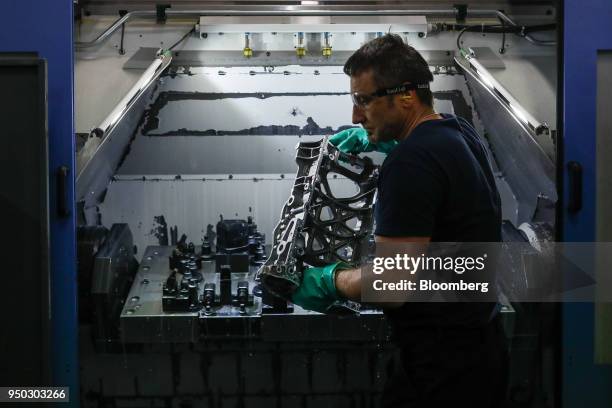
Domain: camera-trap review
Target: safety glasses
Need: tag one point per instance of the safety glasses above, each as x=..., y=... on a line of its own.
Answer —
x=362, y=100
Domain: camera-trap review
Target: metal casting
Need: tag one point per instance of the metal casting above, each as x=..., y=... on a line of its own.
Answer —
x=318, y=226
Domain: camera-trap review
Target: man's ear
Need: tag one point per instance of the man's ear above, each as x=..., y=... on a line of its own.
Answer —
x=407, y=100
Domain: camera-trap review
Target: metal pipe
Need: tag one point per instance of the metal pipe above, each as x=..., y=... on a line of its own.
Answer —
x=110, y=30
x=528, y=37
x=505, y=17
x=151, y=73
x=532, y=40
x=288, y=11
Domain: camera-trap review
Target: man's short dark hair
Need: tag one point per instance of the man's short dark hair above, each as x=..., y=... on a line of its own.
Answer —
x=392, y=62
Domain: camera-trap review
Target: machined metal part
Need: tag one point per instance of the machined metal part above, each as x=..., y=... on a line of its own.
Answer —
x=318, y=227
x=326, y=50
x=143, y=319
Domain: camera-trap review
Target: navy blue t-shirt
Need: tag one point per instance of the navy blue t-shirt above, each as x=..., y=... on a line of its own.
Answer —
x=438, y=183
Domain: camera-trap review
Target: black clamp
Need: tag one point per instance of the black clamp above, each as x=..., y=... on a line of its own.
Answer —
x=180, y=297
x=209, y=299
x=461, y=12
x=272, y=304
x=161, y=12
x=243, y=298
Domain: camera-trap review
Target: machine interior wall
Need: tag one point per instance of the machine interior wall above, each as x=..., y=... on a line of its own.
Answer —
x=220, y=141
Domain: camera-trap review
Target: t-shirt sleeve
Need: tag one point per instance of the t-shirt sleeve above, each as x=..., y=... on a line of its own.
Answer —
x=411, y=191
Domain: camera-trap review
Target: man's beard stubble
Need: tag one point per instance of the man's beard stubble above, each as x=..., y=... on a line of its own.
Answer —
x=389, y=132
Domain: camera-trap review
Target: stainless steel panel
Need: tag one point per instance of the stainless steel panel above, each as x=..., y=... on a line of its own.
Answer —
x=210, y=155
x=193, y=204
x=107, y=145
x=522, y=163
x=227, y=120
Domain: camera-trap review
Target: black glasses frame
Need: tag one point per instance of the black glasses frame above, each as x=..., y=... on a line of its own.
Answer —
x=362, y=100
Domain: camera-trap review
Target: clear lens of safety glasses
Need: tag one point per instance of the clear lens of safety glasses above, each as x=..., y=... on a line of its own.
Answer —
x=359, y=100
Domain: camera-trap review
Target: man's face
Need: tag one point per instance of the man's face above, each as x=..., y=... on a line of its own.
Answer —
x=382, y=117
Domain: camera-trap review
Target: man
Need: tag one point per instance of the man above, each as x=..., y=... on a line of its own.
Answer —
x=435, y=185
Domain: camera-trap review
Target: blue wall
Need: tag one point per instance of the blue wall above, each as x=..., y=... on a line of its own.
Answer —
x=45, y=26
x=587, y=29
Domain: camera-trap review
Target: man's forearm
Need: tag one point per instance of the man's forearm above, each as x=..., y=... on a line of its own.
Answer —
x=348, y=283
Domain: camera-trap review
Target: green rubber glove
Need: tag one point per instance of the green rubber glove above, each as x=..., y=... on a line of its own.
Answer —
x=318, y=289
x=355, y=141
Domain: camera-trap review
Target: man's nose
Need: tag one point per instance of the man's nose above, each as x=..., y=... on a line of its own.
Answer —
x=358, y=116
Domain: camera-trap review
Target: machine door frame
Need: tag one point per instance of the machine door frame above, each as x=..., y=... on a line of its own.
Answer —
x=46, y=28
